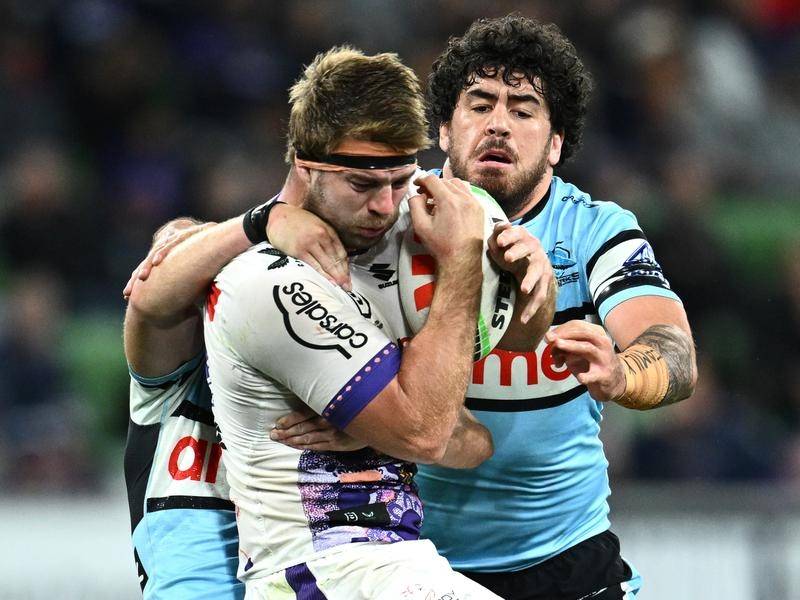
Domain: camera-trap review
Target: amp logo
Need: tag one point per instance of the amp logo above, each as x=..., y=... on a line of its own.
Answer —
x=538, y=364
x=190, y=457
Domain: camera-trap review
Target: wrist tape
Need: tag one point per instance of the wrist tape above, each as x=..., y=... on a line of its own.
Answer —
x=646, y=377
x=256, y=219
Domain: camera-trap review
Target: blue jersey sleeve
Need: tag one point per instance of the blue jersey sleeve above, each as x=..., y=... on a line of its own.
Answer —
x=619, y=261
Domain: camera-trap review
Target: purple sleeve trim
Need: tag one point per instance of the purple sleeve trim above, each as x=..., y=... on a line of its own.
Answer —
x=363, y=386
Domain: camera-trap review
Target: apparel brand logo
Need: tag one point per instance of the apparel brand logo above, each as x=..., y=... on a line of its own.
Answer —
x=381, y=271
x=293, y=300
x=583, y=200
x=282, y=260
x=362, y=304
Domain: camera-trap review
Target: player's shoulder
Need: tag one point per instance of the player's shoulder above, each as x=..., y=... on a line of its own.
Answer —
x=263, y=264
x=588, y=211
x=148, y=395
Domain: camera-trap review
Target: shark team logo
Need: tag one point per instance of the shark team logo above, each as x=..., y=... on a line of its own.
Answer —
x=560, y=257
x=561, y=261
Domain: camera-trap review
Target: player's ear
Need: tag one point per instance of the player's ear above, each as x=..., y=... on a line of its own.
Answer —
x=303, y=174
x=556, y=142
x=444, y=136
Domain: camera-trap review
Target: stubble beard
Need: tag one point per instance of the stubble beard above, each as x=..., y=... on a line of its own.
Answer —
x=513, y=192
x=320, y=204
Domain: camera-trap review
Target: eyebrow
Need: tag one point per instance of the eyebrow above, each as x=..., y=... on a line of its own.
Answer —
x=512, y=96
x=364, y=179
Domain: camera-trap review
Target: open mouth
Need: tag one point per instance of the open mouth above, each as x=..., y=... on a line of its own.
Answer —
x=495, y=156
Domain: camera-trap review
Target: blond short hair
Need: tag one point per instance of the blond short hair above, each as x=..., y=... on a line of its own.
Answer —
x=344, y=93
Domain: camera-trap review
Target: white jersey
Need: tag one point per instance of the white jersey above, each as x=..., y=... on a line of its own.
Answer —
x=277, y=335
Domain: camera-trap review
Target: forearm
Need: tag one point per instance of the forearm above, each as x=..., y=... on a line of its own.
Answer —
x=436, y=384
x=469, y=446
x=525, y=337
x=187, y=271
x=676, y=348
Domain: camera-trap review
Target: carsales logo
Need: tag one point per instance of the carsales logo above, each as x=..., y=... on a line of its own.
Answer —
x=293, y=300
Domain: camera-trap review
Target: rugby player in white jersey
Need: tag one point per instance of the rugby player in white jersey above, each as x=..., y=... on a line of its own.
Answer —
x=410, y=406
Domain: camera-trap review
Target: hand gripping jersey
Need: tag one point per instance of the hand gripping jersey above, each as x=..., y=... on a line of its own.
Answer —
x=183, y=524
x=277, y=335
x=546, y=488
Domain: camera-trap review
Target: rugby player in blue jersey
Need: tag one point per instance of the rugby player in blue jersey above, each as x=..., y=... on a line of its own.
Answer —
x=182, y=520
x=509, y=99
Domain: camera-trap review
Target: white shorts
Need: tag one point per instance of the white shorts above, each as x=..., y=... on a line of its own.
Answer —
x=410, y=570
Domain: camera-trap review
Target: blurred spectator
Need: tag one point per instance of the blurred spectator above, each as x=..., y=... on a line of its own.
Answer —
x=42, y=423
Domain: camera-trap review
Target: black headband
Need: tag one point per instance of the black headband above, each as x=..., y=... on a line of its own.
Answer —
x=362, y=162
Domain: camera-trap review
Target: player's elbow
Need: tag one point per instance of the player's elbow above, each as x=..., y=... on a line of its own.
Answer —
x=428, y=451
x=424, y=445
x=148, y=309
x=692, y=377
x=481, y=456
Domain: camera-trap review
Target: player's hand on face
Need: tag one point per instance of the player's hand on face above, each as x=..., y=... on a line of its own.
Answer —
x=447, y=218
x=513, y=248
x=305, y=430
x=304, y=235
x=589, y=354
x=170, y=236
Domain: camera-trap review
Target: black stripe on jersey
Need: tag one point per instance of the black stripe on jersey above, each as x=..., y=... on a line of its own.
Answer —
x=140, y=447
x=191, y=411
x=494, y=405
x=630, y=282
x=140, y=569
x=622, y=236
x=201, y=502
x=538, y=207
x=574, y=312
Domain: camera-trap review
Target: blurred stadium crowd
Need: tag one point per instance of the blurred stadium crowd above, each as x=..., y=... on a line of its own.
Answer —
x=118, y=115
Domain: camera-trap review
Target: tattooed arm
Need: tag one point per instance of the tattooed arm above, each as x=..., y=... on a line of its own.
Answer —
x=658, y=353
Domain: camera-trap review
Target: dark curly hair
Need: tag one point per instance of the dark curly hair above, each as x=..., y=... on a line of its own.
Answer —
x=509, y=45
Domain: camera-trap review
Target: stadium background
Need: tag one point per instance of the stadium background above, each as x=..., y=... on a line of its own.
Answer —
x=117, y=116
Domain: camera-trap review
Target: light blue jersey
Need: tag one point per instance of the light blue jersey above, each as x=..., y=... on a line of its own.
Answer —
x=183, y=522
x=546, y=487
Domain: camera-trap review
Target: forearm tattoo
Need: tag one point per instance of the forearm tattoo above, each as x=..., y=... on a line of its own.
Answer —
x=677, y=350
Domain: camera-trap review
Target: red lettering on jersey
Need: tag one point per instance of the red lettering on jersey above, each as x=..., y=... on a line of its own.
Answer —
x=506, y=359
x=213, y=296
x=213, y=463
x=548, y=368
x=194, y=471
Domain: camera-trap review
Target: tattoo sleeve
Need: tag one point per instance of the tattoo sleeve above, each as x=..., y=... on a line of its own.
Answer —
x=677, y=349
